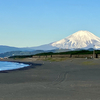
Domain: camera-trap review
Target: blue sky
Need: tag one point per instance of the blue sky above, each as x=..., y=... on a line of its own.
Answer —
x=28, y=23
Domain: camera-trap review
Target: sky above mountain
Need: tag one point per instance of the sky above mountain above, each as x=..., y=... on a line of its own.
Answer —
x=28, y=23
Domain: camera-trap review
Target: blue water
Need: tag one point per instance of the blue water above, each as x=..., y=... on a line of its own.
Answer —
x=11, y=65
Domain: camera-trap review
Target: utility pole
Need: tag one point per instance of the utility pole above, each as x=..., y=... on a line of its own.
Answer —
x=93, y=51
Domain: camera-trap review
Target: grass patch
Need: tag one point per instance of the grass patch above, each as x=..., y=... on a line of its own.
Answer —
x=55, y=59
x=89, y=63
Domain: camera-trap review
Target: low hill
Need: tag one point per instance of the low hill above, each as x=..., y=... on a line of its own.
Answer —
x=17, y=53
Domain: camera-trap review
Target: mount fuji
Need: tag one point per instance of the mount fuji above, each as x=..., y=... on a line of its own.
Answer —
x=78, y=40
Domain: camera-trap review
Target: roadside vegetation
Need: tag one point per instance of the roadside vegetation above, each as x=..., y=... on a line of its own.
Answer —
x=82, y=52
x=70, y=52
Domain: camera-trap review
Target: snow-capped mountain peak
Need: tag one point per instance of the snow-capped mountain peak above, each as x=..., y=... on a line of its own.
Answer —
x=80, y=39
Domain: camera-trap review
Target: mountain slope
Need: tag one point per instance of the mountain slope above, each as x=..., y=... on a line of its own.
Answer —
x=80, y=39
x=44, y=47
x=4, y=49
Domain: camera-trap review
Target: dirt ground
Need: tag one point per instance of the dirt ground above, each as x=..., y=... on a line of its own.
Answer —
x=69, y=79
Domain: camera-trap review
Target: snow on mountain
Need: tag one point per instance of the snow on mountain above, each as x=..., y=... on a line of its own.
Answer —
x=80, y=39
